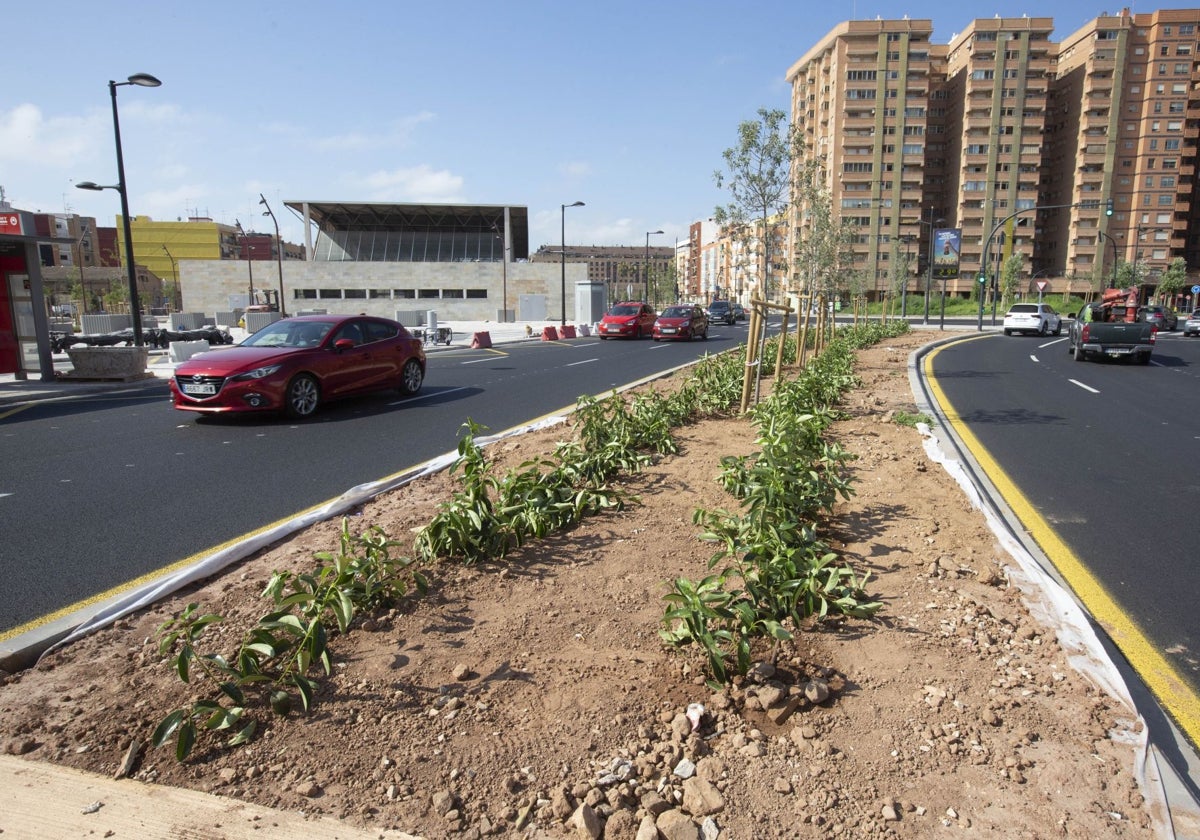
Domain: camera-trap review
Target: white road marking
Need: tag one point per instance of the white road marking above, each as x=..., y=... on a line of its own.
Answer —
x=1084, y=387
x=584, y=362
x=427, y=396
x=2, y=495
x=1034, y=358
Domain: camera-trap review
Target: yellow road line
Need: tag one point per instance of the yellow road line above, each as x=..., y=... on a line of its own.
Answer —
x=15, y=410
x=1155, y=669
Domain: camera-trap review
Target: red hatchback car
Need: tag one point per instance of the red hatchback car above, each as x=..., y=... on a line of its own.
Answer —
x=681, y=322
x=295, y=364
x=628, y=319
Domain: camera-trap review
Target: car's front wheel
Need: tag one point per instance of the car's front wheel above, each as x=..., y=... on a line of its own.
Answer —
x=303, y=396
x=411, y=377
x=1058, y=328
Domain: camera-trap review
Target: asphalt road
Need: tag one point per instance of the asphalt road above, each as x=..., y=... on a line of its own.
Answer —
x=1104, y=451
x=99, y=491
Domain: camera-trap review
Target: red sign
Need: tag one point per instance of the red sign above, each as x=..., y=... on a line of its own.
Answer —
x=1042, y=284
x=10, y=223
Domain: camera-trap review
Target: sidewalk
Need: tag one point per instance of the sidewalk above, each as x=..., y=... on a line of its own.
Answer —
x=13, y=390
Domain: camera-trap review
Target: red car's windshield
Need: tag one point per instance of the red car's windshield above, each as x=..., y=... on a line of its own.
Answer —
x=290, y=334
x=623, y=310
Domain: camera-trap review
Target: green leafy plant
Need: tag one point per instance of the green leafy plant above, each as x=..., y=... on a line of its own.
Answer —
x=278, y=653
x=771, y=570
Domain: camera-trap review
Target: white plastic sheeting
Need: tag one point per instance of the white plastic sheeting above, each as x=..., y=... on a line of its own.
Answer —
x=1057, y=609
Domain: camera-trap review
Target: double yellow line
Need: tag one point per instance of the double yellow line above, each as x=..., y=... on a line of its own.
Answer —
x=1155, y=670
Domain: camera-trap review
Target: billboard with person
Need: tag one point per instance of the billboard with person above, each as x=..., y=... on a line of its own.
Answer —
x=947, y=243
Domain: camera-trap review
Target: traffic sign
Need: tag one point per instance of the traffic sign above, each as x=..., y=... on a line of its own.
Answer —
x=1042, y=285
x=1196, y=290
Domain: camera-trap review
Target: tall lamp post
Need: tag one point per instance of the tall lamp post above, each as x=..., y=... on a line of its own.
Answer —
x=563, y=256
x=279, y=251
x=249, y=249
x=931, y=224
x=174, y=272
x=646, y=268
x=504, y=272
x=135, y=306
x=1112, y=242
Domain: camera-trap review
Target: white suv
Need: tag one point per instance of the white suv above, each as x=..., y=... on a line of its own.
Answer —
x=1039, y=318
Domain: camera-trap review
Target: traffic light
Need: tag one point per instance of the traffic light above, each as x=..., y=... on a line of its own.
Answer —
x=982, y=279
x=1108, y=207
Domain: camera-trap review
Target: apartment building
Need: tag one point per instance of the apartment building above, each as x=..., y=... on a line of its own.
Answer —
x=861, y=100
x=1017, y=140
x=627, y=272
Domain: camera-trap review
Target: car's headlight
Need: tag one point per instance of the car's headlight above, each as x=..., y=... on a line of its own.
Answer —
x=257, y=373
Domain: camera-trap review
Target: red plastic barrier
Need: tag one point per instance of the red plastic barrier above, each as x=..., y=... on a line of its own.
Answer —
x=549, y=334
x=481, y=340
x=567, y=331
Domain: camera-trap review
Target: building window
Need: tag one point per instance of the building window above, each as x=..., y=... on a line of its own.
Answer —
x=452, y=294
x=427, y=294
x=329, y=294
x=477, y=294
x=376, y=294
x=404, y=294
x=355, y=294
x=304, y=294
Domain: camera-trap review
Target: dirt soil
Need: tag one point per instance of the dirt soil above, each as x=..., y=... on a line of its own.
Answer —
x=534, y=697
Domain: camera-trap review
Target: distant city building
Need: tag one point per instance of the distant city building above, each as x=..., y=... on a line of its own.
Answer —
x=622, y=269
x=912, y=137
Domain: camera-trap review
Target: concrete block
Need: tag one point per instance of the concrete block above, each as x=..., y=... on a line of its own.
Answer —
x=123, y=363
x=181, y=351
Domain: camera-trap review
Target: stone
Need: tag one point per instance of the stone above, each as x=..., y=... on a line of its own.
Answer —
x=562, y=804
x=783, y=786
x=709, y=829
x=685, y=769
x=309, y=789
x=623, y=824
x=647, y=830
x=701, y=798
x=461, y=672
x=816, y=690
x=443, y=802
x=586, y=823
x=676, y=825
x=653, y=804
x=889, y=813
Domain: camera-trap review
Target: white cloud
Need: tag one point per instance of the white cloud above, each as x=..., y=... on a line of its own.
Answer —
x=576, y=169
x=413, y=184
x=27, y=136
x=396, y=134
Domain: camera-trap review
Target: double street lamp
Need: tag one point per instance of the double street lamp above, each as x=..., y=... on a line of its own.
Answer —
x=135, y=308
x=646, y=268
x=563, y=255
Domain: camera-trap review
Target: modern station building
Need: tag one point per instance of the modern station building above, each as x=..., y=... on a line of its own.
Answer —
x=465, y=262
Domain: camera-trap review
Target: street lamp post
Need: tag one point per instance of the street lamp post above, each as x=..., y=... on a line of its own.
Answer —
x=249, y=249
x=135, y=308
x=504, y=272
x=563, y=260
x=174, y=272
x=929, y=268
x=278, y=253
x=646, y=269
x=1112, y=242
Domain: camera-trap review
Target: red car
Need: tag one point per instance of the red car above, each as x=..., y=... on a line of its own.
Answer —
x=629, y=319
x=295, y=364
x=681, y=323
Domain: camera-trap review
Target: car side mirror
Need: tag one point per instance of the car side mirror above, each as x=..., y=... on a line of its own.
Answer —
x=343, y=344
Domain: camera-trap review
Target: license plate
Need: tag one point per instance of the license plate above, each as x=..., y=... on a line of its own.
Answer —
x=199, y=388
x=669, y=330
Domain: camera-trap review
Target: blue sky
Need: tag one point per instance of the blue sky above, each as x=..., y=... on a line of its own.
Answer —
x=624, y=105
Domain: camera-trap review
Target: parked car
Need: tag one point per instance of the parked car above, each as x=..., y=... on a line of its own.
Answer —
x=684, y=322
x=720, y=310
x=1035, y=318
x=1192, y=325
x=1163, y=317
x=739, y=312
x=628, y=319
x=295, y=364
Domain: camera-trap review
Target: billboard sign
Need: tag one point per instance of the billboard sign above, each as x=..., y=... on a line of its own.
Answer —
x=947, y=243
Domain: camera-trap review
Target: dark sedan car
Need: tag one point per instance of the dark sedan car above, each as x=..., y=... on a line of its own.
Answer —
x=1163, y=317
x=721, y=310
x=295, y=364
x=683, y=323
